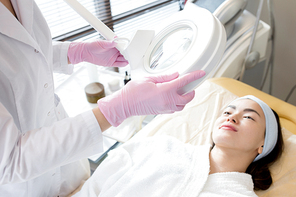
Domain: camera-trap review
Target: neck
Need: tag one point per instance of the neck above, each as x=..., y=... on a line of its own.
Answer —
x=225, y=160
x=8, y=5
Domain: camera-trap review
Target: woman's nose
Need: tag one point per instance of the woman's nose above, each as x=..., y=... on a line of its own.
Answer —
x=231, y=119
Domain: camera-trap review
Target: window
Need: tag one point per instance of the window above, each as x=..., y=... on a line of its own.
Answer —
x=66, y=24
x=61, y=18
x=124, y=17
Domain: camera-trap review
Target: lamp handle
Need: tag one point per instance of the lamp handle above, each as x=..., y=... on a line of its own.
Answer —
x=96, y=23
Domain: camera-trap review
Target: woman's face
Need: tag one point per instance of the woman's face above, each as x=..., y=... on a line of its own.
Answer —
x=240, y=127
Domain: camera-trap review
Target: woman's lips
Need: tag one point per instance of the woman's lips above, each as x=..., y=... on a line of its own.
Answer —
x=228, y=127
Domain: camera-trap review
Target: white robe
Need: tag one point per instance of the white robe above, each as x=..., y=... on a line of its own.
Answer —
x=163, y=166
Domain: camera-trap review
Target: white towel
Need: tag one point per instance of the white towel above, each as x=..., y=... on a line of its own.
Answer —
x=228, y=184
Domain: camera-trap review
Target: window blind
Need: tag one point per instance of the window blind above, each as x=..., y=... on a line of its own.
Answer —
x=122, y=16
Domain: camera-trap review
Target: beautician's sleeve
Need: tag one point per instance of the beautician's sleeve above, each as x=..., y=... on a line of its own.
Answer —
x=26, y=156
x=60, y=58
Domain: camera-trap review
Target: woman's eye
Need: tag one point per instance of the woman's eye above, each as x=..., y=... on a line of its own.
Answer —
x=226, y=113
x=249, y=117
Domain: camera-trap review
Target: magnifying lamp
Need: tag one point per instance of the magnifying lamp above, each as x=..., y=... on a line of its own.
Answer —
x=192, y=39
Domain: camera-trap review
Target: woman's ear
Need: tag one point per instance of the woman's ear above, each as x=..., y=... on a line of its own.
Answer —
x=260, y=149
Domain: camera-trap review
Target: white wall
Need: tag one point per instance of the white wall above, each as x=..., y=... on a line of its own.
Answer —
x=284, y=76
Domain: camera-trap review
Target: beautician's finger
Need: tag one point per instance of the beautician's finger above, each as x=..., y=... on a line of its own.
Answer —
x=186, y=98
x=120, y=64
x=163, y=78
x=188, y=78
x=106, y=44
x=120, y=58
x=180, y=107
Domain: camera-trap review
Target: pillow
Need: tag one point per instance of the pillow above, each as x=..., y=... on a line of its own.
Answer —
x=195, y=123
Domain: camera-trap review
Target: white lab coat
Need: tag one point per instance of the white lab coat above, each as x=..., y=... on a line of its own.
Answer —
x=38, y=153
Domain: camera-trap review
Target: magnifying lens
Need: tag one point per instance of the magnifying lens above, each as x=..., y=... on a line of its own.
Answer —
x=192, y=39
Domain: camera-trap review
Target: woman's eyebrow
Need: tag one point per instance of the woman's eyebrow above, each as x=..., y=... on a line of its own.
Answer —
x=251, y=110
x=245, y=110
x=232, y=106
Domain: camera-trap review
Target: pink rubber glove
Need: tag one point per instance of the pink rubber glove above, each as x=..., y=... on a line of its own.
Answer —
x=99, y=52
x=153, y=95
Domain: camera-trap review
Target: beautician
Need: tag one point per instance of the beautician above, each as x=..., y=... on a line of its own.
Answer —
x=42, y=152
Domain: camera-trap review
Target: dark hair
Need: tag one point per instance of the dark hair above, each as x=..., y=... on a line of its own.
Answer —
x=260, y=169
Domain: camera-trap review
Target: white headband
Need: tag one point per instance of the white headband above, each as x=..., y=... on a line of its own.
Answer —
x=271, y=132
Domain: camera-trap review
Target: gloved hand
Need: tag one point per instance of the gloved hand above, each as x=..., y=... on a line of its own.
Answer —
x=153, y=95
x=99, y=52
